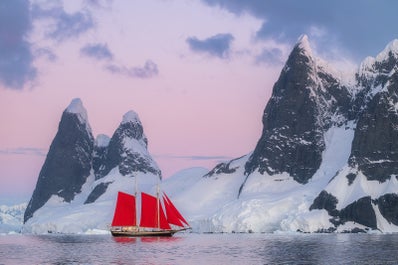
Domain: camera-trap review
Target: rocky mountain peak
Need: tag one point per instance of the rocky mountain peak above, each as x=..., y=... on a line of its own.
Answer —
x=68, y=162
x=301, y=56
x=303, y=45
x=127, y=149
x=302, y=107
x=374, y=70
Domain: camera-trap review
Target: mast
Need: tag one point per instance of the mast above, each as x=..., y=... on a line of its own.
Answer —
x=136, y=193
x=158, y=205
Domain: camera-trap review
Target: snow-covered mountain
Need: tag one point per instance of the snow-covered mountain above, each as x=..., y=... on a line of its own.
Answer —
x=80, y=178
x=326, y=161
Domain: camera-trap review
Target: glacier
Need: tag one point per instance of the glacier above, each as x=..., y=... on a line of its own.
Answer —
x=11, y=218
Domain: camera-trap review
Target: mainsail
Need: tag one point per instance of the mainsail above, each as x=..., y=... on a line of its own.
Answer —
x=152, y=214
x=125, y=214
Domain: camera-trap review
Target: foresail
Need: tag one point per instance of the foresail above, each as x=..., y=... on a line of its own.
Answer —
x=125, y=212
x=173, y=215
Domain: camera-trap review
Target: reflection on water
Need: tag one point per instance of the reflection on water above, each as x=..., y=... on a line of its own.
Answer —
x=200, y=249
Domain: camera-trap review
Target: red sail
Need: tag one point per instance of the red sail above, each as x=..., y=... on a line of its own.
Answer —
x=173, y=215
x=125, y=210
x=149, y=213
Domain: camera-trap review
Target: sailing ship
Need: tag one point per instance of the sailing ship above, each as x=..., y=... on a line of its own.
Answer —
x=154, y=221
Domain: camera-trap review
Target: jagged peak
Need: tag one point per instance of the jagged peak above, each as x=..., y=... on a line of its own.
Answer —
x=302, y=48
x=76, y=107
x=391, y=47
x=131, y=116
x=102, y=140
x=304, y=45
x=368, y=63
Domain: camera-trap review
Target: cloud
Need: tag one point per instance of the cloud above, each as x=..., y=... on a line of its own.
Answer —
x=97, y=51
x=218, y=45
x=65, y=26
x=31, y=151
x=45, y=53
x=101, y=4
x=363, y=27
x=100, y=52
x=270, y=56
x=16, y=58
x=149, y=70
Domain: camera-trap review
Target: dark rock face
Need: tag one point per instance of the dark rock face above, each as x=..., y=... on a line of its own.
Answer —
x=128, y=150
x=97, y=192
x=325, y=201
x=222, y=168
x=67, y=165
x=375, y=145
x=360, y=211
x=100, y=155
x=388, y=206
x=351, y=177
x=296, y=117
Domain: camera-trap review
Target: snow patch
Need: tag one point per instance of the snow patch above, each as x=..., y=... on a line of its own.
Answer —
x=76, y=107
x=131, y=116
x=391, y=47
x=361, y=187
x=304, y=44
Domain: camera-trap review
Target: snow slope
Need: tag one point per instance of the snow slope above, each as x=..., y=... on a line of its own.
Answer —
x=266, y=203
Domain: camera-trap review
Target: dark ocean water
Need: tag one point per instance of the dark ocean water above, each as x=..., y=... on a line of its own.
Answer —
x=201, y=249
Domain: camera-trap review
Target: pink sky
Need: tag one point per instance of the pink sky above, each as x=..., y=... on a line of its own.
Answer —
x=198, y=105
x=198, y=72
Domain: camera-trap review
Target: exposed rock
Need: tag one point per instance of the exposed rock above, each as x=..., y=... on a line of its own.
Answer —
x=223, y=168
x=388, y=206
x=97, y=192
x=351, y=177
x=360, y=211
x=100, y=155
x=325, y=201
x=375, y=144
